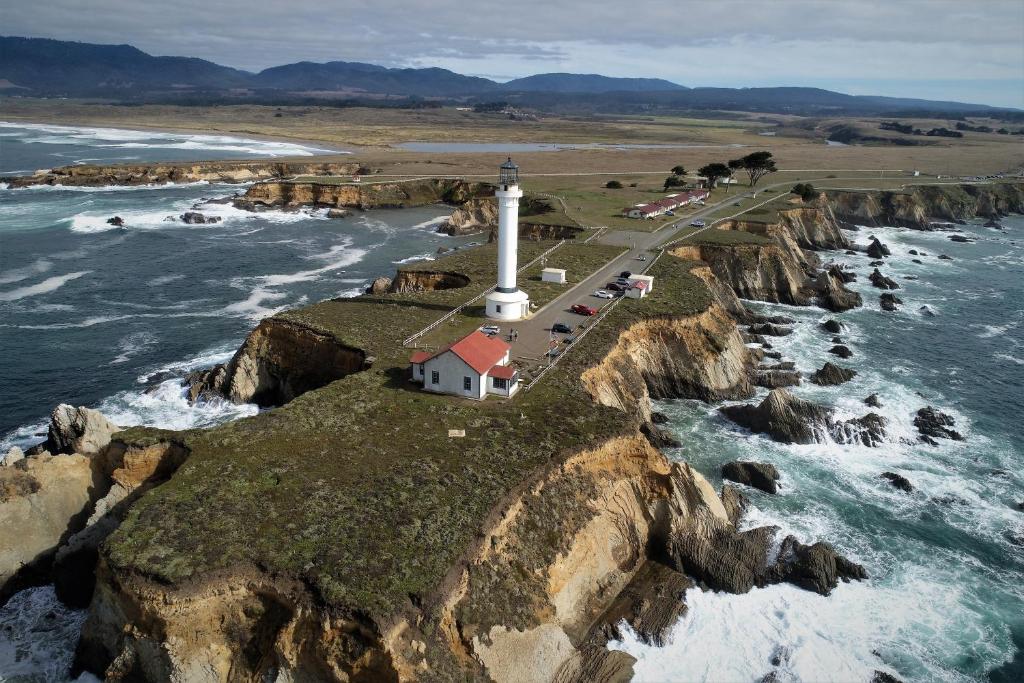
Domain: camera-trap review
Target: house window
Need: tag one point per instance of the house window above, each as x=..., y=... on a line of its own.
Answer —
x=467, y=383
x=500, y=383
x=435, y=377
x=497, y=308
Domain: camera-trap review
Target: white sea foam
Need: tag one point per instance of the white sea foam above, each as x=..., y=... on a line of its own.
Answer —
x=38, y=636
x=38, y=267
x=419, y=257
x=432, y=223
x=164, y=280
x=166, y=406
x=137, y=139
x=111, y=188
x=47, y=285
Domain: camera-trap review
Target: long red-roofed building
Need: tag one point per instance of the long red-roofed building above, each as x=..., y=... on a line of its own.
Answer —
x=473, y=367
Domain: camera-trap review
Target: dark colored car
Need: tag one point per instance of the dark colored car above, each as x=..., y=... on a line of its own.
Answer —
x=581, y=309
x=614, y=286
x=561, y=328
x=625, y=273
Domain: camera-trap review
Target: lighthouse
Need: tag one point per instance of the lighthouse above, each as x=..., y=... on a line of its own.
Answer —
x=507, y=301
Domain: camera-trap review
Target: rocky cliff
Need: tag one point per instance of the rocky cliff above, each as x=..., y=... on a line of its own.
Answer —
x=920, y=206
x=89, y=175
x=365, y=195
x=476, y=215
x=762, y=272
x=279, y=360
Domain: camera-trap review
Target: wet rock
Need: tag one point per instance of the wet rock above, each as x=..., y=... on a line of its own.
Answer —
x=659, y=436
x=875, y=264
x=773, y=319
x=950, y=499
x=833, y=295
x=1020, y=506
x=78, y=430
x=868, y=430
x=883, y=677
x=850, y=252
x=831, y=374
x=784, y=365
x=380, y=285
x=881, y=281
x=898, y=481
x=772, y=354
x=651, y=603
x=775, y=379
x=1015, y=535
x=116, y=221
x=752, y=338
x=659, y=418
x=735, y=503
x=873, y=401
x=206, y=384
x=443, y=250
x=781, y=416
x=842, y=274
x=724, y=559
x=762, y=476
x=832, y=325
x=13, y=455
x=911, y=277
x=945, y=257
x=841, y=351
x=993, y=223
x=196, y=218
x=913, y=252
x=889, y=302
x=960, y=238
x=817, y=567
x=770, y=330
x=877, y=250
x=936, y=425
x=916, y=260
x=926, y=311
x=338, y=213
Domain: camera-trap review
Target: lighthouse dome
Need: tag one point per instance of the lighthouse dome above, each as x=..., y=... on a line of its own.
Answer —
x=508, y=174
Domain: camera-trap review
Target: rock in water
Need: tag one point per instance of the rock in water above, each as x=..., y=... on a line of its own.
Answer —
x=833, y=295
x=913, y=252
x=898, y=481
x=116, y=221
x=868, y=430
x=337, y=213
x=881, y=281
x=883, y=677
x=888, y=302
x=781, y=416
x=841, y=274
x=933, y=424
x=831, y=374
x=770, y=330
x=723, y=559
x=659, y=418
x=877, y=250
x=944, y=257
x=196, y=218
x=959, y=238
x=78, y=430
x=841, y=350
x=817, y=567
x=659, y=436
x=832, y=325
x=927, y=312
x=873, y=401
x=13, y=455
x=760, y=475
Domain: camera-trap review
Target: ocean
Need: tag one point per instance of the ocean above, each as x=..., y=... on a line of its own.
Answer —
x=112, y=317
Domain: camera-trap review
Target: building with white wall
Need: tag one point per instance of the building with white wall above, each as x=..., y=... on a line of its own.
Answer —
x=507, y=301
x=472, y=367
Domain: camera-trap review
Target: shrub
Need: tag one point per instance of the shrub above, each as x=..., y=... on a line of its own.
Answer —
x=613, y=185
x=805, y=190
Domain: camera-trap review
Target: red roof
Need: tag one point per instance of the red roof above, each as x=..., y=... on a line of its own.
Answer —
x=639, y=284
x=476, y=349
x=502, y=371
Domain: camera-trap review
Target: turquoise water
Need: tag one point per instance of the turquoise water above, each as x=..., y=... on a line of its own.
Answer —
x=945, y=598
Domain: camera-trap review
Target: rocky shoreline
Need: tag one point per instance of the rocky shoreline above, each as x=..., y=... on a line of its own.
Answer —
x=521, y=601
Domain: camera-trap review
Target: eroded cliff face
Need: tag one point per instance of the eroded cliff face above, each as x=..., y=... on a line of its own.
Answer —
x=476, y=215
x=918, y=207
x=762, y=272
x=279, y=360
x=367, y=195
x=700, y=356
x=406, y=281
x=159, y=174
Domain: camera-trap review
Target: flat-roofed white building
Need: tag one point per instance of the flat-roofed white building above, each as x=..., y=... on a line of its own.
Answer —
x=553, y=275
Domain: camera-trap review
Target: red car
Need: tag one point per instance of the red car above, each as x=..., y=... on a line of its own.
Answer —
x=582, y=309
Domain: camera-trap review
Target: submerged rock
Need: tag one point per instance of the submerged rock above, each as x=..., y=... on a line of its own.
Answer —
x=116, y=221
x=898, y=481
x=78, y=430
x=831, y=374
x=960, y=238
x=944, y=257
x=841, y=350
x=832, y=325
x=873, y=401
x=881, y=281
x=781, y=416
x=933, y=424
x=196, y=218
x=760, y=475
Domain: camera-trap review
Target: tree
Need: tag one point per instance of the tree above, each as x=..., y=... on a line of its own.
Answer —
x=678, y=170
x=734, y=165
x=713, y=172
x=674, y=181
x=757, y=165
x=806, y=191
x=613, y=185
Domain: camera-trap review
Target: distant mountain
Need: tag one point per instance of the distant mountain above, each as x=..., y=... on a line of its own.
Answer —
x=588, y=83
x=43, y=67
x=61, y=67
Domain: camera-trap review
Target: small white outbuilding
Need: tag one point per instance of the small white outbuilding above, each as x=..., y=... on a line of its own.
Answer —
x=556, y=275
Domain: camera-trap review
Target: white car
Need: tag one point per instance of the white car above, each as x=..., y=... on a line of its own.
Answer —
x=604, y=294
x=490, y=329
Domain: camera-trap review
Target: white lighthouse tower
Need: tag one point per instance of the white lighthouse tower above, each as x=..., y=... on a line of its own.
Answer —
x=507, y=301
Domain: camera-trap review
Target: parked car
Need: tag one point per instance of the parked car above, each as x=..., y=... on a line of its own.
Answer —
x=561, y=328
x=583, y=309
x=615, y=287
x=490, y=330
x=622, y=282
x=641, y=258
x=697, y=223
x=625, y=273
x=604, y=294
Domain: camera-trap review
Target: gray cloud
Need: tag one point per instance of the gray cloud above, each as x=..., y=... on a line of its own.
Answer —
x=728, y=42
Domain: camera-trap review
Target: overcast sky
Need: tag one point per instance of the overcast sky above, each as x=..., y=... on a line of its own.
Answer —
x=966, y=50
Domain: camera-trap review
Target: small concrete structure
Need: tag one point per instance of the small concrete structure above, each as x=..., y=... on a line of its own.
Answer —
x=472, y=367
x=553, y=275
x=648, y=280
x=638, y=290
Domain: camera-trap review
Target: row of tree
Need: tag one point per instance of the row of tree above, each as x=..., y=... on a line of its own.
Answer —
x=756, y=165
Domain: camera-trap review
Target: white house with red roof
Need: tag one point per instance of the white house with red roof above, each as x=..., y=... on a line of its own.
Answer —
x=472, y=367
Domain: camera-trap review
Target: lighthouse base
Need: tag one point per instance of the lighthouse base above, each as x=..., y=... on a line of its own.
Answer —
x=507, y=305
